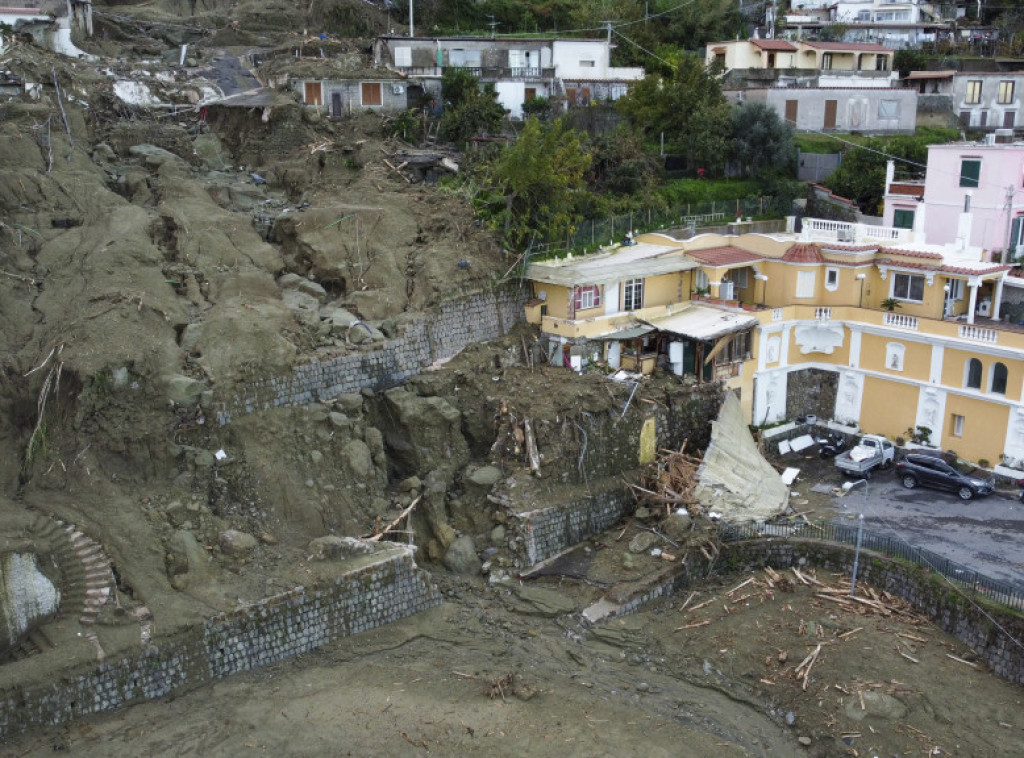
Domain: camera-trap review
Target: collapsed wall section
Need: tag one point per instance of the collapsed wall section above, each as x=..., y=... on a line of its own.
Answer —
x=460, y=322
x=270, y=631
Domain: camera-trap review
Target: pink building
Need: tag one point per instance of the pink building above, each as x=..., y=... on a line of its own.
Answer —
x=971, y=200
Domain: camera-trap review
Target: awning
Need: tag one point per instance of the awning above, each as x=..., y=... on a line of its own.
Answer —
x=700, y=322
x=929, y=75
x=628, y=334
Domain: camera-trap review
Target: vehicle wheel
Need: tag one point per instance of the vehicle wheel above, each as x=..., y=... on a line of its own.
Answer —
x=965, y=493
x=909, y=481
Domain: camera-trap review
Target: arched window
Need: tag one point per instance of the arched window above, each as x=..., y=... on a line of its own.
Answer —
x=972, y=374
x=999, y=379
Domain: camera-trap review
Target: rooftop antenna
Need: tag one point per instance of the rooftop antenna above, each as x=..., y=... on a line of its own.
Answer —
x=412, y=32
x=608, y=26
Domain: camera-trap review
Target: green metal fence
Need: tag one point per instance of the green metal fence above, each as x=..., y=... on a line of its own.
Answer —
x=594, y=232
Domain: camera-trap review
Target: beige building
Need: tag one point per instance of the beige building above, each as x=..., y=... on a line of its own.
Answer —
x=865, y=326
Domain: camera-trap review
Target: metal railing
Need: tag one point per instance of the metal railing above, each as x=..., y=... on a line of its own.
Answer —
x=964, y=577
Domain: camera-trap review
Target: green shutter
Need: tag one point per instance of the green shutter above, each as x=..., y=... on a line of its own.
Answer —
x=903, y=219
x=970, y=171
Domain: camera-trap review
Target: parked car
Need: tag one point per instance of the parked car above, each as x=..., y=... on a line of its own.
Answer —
x=871, y=451
x=930, y=471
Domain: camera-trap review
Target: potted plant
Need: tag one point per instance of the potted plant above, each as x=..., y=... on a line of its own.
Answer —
x=890, y=304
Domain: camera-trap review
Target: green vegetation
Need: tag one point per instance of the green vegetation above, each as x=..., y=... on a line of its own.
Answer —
x=468, y=108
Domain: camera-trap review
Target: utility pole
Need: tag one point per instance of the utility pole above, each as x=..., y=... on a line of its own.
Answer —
x=412, y=30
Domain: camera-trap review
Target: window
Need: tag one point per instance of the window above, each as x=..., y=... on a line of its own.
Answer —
x=826, y=61
x=1017, y=234
x=1009, y=119
x=903, y=219
x=700, y=281
x=956, y=289
x=970, y=172
x=791, y=111
x=831, y=279
x=588, y=297
x=372, y=93
x=888, y=110
x=864, y=16
x=403, y=56
x=881, y=63
x=1006, y=92
x=973, y=92
x=967, y=203
x=958, y=425
x=314, y=93
x=972, y=374
x=738, y=349
x=632, y=294
x=740, y=277
x=998, y=379
x=586, y=64
x=908, y=287
x=805, y=284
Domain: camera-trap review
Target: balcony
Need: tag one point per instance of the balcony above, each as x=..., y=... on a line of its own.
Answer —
x=986, y=333
x=826, y=230
x=485, y=73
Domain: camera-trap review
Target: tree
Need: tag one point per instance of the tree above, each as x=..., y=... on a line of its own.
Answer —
x=861, y=175
x=762, y=143
x=688, y=108
x=533, y=182
x=468, y=109
x=621, y=166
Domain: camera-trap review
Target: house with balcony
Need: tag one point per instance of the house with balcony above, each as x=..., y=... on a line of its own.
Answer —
x=867, y=326
x=894, y=23
x=575, y=72
x=797, y=63
x=971, y=200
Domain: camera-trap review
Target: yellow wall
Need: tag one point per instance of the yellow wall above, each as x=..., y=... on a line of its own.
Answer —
x=984, y=423
x=664, y=289
x=892, y=417
x=917, y=356
x=840, y=356
x=557, y=298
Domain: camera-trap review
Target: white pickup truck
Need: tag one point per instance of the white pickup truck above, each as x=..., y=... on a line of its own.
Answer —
x=871, y=451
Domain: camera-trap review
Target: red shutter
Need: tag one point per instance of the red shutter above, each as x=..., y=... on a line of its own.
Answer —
x=579, y=297
x=597, y=295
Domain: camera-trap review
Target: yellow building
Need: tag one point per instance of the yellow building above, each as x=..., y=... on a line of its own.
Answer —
x=861, y=325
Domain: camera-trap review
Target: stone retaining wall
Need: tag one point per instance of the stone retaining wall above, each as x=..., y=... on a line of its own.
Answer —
x=270, y=631
x=477, y=318
x=543, y=534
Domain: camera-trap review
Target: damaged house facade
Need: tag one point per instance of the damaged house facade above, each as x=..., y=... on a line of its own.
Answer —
x=575, y=72
x=866, y=326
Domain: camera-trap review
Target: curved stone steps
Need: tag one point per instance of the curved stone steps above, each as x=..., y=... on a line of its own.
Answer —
x=88, y=578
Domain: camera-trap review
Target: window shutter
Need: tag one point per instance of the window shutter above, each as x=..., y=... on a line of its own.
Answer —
x=579, y=298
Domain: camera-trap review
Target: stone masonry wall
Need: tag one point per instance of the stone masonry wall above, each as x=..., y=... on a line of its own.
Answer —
x=270, y=631
x=542, y=534
x=477, y=318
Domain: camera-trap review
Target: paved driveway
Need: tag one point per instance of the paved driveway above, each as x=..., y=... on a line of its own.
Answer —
x=986, y=534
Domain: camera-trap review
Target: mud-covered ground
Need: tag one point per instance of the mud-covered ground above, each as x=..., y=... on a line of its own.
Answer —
x=510, y=672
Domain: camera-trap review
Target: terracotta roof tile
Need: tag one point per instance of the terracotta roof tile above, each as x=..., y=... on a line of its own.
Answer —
x=826, y=246
x=910, y=253
x=723, y=256
x=774, y=44
x=803, y=252
x=908, y=264
x=994, y=269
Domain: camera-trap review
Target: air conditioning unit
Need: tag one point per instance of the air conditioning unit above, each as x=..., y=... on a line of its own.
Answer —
x=397, y=89
x=845, y=235
x=1004, y=136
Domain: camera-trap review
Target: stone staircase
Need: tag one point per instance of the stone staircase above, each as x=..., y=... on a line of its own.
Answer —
x=87, y=579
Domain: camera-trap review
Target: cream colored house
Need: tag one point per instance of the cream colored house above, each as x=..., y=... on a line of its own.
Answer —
x=865, y=326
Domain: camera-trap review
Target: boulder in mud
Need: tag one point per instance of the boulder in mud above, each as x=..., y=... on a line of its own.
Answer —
x=461, y=557
x=236, y=544
x=187, y=562
x=423, y=433
x=876, y=704
x=643, y=542
x=184, y=390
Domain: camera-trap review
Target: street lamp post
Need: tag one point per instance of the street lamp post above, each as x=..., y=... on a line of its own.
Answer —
x=860, y=531
x=763, y=278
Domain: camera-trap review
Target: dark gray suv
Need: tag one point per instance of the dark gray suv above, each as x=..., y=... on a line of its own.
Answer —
x=929, y=471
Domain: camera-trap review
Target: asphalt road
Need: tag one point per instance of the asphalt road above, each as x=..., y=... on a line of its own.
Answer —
x=986, y=534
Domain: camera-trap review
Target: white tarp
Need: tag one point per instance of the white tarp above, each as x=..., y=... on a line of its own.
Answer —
x=734, y=479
